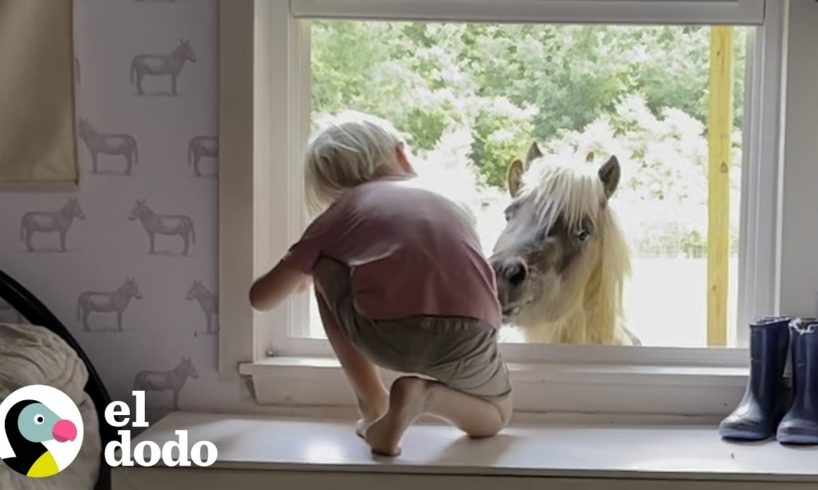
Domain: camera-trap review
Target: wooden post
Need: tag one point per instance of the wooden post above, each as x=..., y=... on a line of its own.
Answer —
x=719, y=129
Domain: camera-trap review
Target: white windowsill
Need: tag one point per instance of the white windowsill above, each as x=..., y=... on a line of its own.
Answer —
x=618, y=391
x=327, y=447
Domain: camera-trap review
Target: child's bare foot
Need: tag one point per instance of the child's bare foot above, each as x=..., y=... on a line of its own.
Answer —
x=407, y=400
x=362, y=425
x=371, y=412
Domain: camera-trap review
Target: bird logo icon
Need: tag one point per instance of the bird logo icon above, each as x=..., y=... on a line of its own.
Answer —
x=41, y=431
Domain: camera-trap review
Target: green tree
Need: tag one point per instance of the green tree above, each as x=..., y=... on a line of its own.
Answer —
x=475, y=95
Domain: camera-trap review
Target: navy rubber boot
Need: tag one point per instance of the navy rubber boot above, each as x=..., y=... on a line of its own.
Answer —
x=800, y=424
x=764, y=401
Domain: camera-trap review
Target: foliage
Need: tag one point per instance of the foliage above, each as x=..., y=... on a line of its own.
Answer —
x=489, y=90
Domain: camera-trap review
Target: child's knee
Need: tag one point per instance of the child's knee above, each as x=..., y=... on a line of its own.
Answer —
x=492, y=426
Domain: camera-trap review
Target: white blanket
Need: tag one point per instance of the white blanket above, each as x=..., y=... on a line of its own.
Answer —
x=34, y=355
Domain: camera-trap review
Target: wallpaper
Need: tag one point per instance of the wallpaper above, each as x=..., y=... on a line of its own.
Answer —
x=129, y=261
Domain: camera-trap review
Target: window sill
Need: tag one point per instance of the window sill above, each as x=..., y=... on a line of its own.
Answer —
x=618, y=391
x=263, y=450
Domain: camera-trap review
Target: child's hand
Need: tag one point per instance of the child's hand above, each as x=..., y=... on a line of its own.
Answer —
x=274, y=287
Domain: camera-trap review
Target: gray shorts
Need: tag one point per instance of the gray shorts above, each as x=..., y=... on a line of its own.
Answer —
x=462, y=353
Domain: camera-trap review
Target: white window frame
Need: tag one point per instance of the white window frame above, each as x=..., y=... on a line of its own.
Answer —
x=264, y=125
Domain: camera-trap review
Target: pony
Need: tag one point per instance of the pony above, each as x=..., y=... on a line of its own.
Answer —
x=208, y=301
x=201, y=146
x=108, y=144
x=48, y=222
x=158, y=224
x=104, y=302
x=561, y=260
x=162, y=64
x=173, y=380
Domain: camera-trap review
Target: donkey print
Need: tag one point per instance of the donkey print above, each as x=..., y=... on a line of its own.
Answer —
x=208, y=301
x=162, y=64
x=201, y=146
x=173, y=380
x=48, y=222
x=158, y=224
x=105, y=302
x=108, y=144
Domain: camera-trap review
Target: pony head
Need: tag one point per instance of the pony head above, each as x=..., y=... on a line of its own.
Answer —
x=85, y=128
x=195, y=289
x=184, y=51
x=561, y=247
x=139, y=208
x=73, y=209
x=131, y=289
x=187, y=367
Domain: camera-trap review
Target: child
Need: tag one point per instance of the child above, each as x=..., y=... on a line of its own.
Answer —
x=401, y=283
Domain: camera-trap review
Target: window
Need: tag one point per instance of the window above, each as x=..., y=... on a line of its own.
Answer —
x=647, y=117
x=471, y=97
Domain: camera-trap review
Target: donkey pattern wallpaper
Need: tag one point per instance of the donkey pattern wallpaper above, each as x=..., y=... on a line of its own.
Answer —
x=129, y=261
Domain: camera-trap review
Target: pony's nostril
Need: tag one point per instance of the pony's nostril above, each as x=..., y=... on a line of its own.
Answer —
x=516, y=273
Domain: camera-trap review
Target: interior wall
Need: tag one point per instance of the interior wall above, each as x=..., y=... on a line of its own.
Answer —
x=169, y=191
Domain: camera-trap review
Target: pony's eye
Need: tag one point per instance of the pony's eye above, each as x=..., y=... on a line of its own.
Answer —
x=39, y=419
x=583, y=235
x=512, y=209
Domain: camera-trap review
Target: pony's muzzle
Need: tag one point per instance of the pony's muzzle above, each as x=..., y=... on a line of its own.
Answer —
x=511, y=273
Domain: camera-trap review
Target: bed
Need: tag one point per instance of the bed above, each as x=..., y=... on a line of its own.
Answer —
x=95, y=396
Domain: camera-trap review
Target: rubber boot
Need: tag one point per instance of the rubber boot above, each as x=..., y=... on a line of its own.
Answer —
x=763, y=404
x=800, y=424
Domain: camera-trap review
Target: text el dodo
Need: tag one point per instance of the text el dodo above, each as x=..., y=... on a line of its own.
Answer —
x=148, y=453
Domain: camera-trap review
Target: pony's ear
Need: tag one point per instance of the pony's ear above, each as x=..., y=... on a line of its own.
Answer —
x=514, y=177
x=609, y=174
x=533, y=153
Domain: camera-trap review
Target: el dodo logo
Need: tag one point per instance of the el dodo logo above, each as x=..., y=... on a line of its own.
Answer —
x=41, y=434
x=148, y=453
x=40, y=431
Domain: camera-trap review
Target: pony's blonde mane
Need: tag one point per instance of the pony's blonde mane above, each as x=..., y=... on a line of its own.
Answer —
x=565, y=191
x=575, y=193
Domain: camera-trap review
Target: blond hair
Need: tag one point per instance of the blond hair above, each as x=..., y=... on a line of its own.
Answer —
x=348, y=149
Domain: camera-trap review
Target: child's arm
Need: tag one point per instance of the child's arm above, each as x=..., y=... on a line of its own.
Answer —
x=272, y=288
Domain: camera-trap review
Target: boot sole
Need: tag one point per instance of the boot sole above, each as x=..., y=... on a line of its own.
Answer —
x=741, y=435
x=799, y=439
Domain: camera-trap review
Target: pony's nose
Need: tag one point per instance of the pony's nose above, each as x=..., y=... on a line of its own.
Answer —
x=512, y=271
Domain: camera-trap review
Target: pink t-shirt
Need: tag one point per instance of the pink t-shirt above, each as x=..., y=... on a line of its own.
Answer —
x=410, y=252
